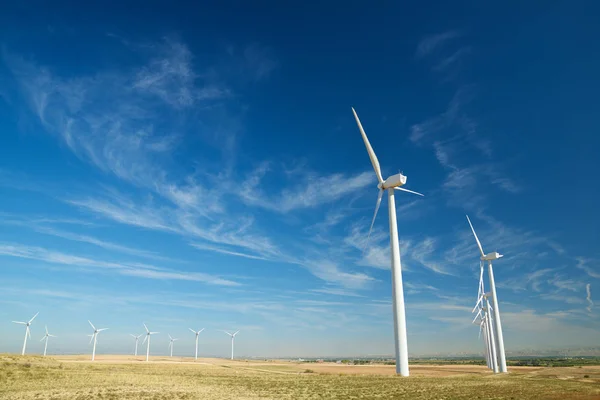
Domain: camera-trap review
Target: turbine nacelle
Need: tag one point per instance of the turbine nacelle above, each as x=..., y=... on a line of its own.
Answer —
x=393, y=181
x=494, y=255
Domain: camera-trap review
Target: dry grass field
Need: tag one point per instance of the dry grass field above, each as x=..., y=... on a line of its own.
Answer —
x=121, y=377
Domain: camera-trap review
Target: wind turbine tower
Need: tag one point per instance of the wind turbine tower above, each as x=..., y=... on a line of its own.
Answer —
x=499, y=338
x=148, y=334
x=232, y=340
x=196, y=333
x=136, y=342
x=94, y=338
x=394, y=182
x=171, y=340
x=27, y=331
x=46, y=336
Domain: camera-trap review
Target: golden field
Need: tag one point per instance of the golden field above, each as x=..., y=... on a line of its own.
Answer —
x=126, y=377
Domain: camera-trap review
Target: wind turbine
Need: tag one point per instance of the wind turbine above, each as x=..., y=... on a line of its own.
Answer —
x=499, y=338
x=27, y=331
x=232, y=339
x=148, y=333
x=94, y=338
x=394, y=182
x=46, y=336
x=196, y=333
x=136, y=342
x=485, y=322
x=171, y=340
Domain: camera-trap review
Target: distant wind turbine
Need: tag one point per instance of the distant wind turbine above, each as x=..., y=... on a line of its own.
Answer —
x=148, y=333
x=136, y=342
x=394, y=182
x=499, y=338
x=94, y=338
x=196, y=333
x=171, y=340
x=27, y=331
x=232, y=339
x=46, y=336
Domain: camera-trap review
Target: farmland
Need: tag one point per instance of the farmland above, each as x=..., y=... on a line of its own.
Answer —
x=123, y=377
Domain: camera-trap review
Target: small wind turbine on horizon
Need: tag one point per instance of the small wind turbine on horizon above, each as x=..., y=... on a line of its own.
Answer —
x=27, y=331
x=232, y=340
x=497, y=325
x=394, y=182
x=136, y=342
x=46, y=336
x=94, y=338
x=148, y=333
x=171, y=340
x=196, y=333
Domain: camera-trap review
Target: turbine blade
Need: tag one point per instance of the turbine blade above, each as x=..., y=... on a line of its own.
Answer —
x=36, y=314
x=132, y=335
x=476, y=238
x=153, y=333
x=146, y=328
x=52, y=335
x=42, y=339
x=476, y=304
x=379, y=196
x=46, y=329
x=145, y=337
x=19, y=322
x=170, y=337
x=103, y=329
x=372, y=155
x=409, y=191
x=93, y=327
x=28, y=332
x=227, y=333
x=236, y=333
x=91, y=338
x=192, y=330
x=201, y=330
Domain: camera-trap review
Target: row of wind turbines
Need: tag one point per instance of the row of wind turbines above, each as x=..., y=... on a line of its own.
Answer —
x=490, y=323
x=94, y=339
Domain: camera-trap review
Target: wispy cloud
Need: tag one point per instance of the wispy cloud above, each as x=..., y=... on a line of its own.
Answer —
x=336, y=292
x=588, y=290
x=122, y=268
x=311, y=190
x=583, y=264
x=431, y=43
x=422, y=253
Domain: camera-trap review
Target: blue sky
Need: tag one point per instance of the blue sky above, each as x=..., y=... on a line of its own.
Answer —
x=199, y=166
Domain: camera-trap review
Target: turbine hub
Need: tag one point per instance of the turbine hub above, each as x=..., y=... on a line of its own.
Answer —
x=393, y=181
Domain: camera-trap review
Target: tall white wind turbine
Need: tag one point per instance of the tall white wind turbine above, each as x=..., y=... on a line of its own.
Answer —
x=483, y=305
x=394, y=182
x=232, y=339
x=94, y=338
x=136, y=342
x=27, y=331
x=196, y=333
x=148, y=333
x=46, y=336
x=171, y=340
x=499, y=338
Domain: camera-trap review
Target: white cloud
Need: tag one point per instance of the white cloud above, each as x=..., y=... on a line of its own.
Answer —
x=431, y=43
x=122, y=268
x=588, y=290
x=311, y=190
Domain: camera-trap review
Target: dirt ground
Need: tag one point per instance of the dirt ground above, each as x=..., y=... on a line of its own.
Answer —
x=127, y=377
x=333, y=368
